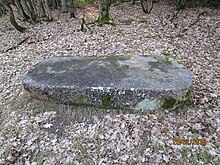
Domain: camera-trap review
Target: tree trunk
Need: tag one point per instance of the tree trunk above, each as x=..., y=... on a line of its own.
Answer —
x=103, y=10
x=28, y=10
x=64, y=6
x=56, y=4
x=13, y=21
x=34, y=6
x=21, y=10
x=133, y=2
x=47, y=7
x=147, y=5
x=2, y=9
x=30, y=4
x=53, y=4
x=40, y=9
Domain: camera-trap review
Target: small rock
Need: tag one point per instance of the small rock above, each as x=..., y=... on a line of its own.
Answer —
x=124, y=157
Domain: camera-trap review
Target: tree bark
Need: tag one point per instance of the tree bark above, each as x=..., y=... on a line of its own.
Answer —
x=47, y=7
x=64, y=6
x=53, y=5
x=147, y=5
x=28, y=10
x=40, y=9
x=30, y=4
x=103, y=10
x=56, y=4
x=13, y=21
x=34, y=6
x=21, y=10
x=2, y=9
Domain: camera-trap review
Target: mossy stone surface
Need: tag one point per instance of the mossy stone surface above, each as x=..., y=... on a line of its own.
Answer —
x=123, y=81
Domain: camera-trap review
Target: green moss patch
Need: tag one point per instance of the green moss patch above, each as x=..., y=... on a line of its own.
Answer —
x=127, y=21
x=106, y=101
x=142, y=21
x=105, y=20
x=172, y=103
x=80, y=100
x=169, y=103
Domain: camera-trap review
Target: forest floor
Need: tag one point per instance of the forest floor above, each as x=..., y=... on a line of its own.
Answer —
x=38, y=132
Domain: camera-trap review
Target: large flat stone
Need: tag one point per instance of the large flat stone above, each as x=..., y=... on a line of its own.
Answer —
x=134, y=82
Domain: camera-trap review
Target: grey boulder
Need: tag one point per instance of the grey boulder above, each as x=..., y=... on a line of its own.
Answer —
x=141, y=83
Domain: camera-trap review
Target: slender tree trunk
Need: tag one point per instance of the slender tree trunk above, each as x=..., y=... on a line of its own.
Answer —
x=103, y=10
x=56, y=4
x=2, y=9
x=133, y=2
x=28, y=10
x=33, y=13
x=147, y=5
x=13, y=21
x=34, y=6
x=40, y=9
x=21, y=10
x=30, y=4
x=47, y=7
x=64, y=6
x=53, y=4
